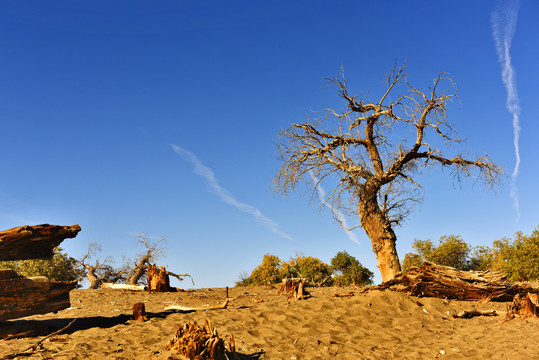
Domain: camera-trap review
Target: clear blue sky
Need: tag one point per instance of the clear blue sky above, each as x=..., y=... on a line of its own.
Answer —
x=161, y=118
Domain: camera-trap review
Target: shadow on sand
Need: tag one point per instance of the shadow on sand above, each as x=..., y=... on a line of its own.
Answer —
x=14, y=329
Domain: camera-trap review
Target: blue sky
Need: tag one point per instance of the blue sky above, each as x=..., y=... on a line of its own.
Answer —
x=162, y=118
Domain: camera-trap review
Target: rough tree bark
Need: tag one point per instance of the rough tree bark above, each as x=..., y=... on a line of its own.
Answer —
x=34, y=241
x=445, y=282
x=379, y=230
x=139, y=270
x=21, y=296
x=373, y=151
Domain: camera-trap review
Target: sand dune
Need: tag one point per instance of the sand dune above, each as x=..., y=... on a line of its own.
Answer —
x=373, y=325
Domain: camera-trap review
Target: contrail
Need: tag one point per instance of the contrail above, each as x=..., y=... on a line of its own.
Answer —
x=225, y=196
x=339, y=216
x=504, y=21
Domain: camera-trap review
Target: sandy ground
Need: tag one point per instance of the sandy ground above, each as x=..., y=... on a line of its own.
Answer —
x=373, y=325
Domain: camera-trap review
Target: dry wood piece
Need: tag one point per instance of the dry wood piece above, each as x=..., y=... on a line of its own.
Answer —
x=158, y=279
x=33, y=242
x=114, y=286
x=295, y=287
x=522, y=306
x=344, y=295
x=21, y=296
x=449, y=283
x=471, y=313
x=139, y=312
x=199, y=343
x=200, y=308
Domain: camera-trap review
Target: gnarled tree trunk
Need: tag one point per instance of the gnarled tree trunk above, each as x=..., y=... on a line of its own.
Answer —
x=383, y=238
x=139, y=270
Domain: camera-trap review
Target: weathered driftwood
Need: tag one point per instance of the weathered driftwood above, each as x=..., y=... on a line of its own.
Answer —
x=466, y=314
x=115, y=286
x=33, y=242
x=199, y=308
x=449, y=283
x=296, y=287
x=199, y=343
x=21, y=296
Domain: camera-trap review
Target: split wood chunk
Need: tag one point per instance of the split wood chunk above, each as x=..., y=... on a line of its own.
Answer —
x=449, y=283
x=158, y=279
x=199, y=343
x=295, y=287
x=522, y=306
x=139, y=312
x=34, y=242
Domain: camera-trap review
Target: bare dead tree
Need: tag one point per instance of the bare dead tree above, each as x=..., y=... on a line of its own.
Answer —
x=374, y=151
x=93, y=278
x=153, y=251
x=101, y=271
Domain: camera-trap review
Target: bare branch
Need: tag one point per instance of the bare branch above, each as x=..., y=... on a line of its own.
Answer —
x=373, y=153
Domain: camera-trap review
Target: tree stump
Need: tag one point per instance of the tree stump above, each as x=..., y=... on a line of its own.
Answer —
x=158, y=279
x=522, y=306
x=295, y=287
x=139, y=312
x=196, y=343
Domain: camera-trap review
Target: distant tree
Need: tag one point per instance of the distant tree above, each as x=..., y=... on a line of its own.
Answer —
x=517, y=259
x=347, y=270
x=100, y=271
x=269, y=272
x=411, y=260
x=481, y=259
x=154, y=250
x=451, y=251
x=60, y=267
x=309, y=267
x=365, y=151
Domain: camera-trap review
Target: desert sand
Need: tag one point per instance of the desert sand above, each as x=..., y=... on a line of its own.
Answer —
x=371, y=325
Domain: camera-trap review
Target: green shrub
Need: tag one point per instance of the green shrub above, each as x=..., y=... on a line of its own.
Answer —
x=519, y=259
x=308, y=267
x=411, y=260
x=60, y=267
x=347, y=270
x=269, y=272
x=451, y=251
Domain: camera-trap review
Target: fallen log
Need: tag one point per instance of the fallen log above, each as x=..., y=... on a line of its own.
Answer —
x=21, y=296
x=445, y=282
x=34, y=242
x=199, y=308
x=114, y=286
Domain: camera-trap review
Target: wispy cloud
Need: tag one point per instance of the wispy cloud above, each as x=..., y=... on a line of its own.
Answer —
x=207, y=174
x=339, y=216
x=504, y=21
